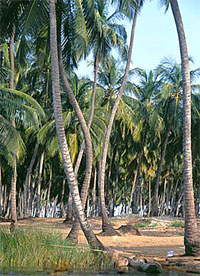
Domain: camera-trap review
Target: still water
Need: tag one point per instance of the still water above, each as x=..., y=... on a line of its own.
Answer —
x=15, y=272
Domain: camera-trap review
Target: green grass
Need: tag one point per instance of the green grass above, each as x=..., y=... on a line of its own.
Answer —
x=177, y=223
x=142, y=223
x=28, y=248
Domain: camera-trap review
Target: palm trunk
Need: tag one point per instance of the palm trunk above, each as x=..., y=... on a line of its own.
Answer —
x=69, y=214
x=105, y=223
x=67, y=164
x=94, y=196
x=149, y=210
x=133, y=185
x=192, y=244
x=49, y=192
x=14, y=169
x=80, y=155
x=38, y=199
x=27, y=181
x=155, y=210
x=73, y=235
x=62, y=208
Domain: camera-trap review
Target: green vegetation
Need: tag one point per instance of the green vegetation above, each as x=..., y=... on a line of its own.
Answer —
x=143, y=223
x=177, y=223
x=28, y=248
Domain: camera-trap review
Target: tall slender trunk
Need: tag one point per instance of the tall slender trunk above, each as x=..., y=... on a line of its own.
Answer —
x=67, y=164
x=94, y=196
x=38, y=199
x=106, y=226
x=27, y=181
x=149, y=209
x=163, y=197
x=48, y=192
x=73, y=235
x=155, y=210
x=69, y=214
x=133, y=185
x=80, y=154
x=85, y=129
x=192, y=244
x=14, y=169
x=62, y=208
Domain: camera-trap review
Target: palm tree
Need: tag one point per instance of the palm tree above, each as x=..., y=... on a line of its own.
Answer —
x=14, y=170
x=106, y=226
x=191, y=236
x=92, y=240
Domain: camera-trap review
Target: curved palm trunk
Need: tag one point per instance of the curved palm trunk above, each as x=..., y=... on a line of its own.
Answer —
x=14, y=169
x=80, y=154
x=155, y=209
x=192, y=244
x=73, y=235
x=106, y=226
x=67, y=164
x=27, y=181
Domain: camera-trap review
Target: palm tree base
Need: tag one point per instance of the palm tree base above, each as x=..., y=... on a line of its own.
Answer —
x=192, y=248
x=108, y=230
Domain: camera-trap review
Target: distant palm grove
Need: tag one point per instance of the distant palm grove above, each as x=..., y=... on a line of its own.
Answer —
x=75, y=147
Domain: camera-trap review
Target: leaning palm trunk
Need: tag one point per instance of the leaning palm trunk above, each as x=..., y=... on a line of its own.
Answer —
x=14, y=169
x=192, y=244
x=26, y=208
x=67, y=164
x=106, y=226
x=82, y=148
x=73, y=235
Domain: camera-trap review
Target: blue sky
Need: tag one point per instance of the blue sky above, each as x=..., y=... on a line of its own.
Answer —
x=156, y=36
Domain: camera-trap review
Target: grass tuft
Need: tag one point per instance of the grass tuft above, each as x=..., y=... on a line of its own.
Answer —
x=28, y=248
x=177, y=223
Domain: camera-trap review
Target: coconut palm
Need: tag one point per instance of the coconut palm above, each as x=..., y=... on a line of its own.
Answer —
x=191, y=236
x=132, y=6
x=92, y=240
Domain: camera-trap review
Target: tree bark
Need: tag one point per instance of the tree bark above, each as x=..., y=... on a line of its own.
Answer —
x=49, y=192
x=14, y=169
x=94, y=196
x=73, y=235
x=133, y=186
x=27, y=181
x=106, y=226
x=62, y=208
x=39, y=186
x=67, y=164
x=191, y=237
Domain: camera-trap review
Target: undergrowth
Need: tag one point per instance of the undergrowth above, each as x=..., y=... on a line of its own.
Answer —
x=28, y=248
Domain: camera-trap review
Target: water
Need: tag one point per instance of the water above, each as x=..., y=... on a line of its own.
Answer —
x=16, y=272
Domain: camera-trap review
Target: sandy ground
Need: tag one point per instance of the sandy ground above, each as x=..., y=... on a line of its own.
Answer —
x=156, y=239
